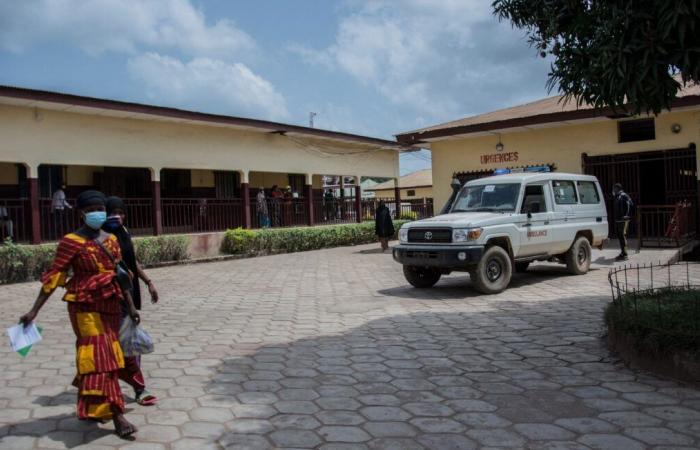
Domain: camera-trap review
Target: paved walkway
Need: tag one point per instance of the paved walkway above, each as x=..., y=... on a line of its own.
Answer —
x=331, y=349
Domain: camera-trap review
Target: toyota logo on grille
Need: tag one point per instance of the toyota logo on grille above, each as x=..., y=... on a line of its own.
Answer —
x=428, y=235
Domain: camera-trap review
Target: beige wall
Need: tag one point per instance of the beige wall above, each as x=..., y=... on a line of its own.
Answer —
x=57, y=137
x=81, y=175
x=8, y=173
x=561, y=145
x=421, y=192
x=202, y=178
x=267, y=179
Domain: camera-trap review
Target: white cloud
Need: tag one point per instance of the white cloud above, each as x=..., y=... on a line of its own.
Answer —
x=97, y=26
x=208, y=84
x=439, y=59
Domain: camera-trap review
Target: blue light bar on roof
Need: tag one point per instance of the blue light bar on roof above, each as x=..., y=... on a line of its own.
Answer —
x=537, y=169
x=501, y=171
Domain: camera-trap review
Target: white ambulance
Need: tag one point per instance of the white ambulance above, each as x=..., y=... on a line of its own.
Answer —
x=503, y=223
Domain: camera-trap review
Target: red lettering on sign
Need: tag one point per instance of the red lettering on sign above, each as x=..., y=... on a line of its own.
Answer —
x=497, y=158
x=540, y=233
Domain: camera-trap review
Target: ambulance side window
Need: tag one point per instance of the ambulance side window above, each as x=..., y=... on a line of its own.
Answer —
x=533, y=199
x=564, y=192
x=588, y=192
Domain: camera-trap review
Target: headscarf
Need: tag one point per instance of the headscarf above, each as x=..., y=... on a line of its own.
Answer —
x=114, y=203
x=126, y=244
x=90, y=198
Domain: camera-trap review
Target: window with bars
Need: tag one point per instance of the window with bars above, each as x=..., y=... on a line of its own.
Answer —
x=636, y=130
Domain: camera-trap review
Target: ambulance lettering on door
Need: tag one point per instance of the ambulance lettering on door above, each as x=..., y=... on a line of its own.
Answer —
x=536, y=234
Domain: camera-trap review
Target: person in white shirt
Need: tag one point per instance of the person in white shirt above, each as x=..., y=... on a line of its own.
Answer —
x=6, y=225
x=59, y=204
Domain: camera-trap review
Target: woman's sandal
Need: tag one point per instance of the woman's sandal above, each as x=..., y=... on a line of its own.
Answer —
x=144, y=398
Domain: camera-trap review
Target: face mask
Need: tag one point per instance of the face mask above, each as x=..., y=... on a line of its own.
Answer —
x=95, y=219
x=113, y=223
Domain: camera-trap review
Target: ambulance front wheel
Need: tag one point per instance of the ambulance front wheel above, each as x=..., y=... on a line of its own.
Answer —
x=422, y=277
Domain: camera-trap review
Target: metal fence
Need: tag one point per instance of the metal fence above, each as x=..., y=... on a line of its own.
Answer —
x=186, y=215
x=666, y=225
x=336, y=211
x=14, y=217
x=279, y=212
x=658, y=294
x=414, y=209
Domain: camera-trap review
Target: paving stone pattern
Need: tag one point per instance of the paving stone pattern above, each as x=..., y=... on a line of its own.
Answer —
x=333, y=350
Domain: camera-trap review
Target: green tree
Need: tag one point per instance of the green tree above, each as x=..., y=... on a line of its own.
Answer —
x=620, y=53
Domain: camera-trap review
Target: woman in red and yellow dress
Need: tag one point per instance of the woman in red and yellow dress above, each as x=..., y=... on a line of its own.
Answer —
x=94, y=301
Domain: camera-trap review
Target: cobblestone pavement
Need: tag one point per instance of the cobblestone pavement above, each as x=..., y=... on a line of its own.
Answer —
x=333, y=350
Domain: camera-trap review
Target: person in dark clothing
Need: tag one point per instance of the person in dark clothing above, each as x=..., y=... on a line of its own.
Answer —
x=383, y=226
x=622, y=209
x=131, y=373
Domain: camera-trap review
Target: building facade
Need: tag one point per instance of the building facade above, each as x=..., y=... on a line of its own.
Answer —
x=653, y=157
x=178, y=171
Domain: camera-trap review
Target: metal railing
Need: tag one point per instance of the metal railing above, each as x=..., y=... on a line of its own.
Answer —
x=192, y=215
x=14, y=226
x=666, y=225
x=414, y=209
x=336, y=211
x=658, y=295
x=186, y=215
x=281, y=212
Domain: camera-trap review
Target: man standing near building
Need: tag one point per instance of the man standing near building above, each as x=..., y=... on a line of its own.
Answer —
x=59, y=204
x=6, y=225
x=622, y=209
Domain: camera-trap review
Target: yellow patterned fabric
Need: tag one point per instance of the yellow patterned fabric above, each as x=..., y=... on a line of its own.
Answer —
x=86, y=359
x=90, y=324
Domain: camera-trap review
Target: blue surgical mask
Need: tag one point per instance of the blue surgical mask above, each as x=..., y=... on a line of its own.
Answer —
x=95, y=219
x=113, y=223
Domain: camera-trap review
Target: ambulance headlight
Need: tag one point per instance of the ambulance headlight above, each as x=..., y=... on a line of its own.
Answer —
x=403, y=235
x=466, y=235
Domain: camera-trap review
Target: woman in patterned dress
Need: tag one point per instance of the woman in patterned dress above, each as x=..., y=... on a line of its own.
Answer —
x=94, y=301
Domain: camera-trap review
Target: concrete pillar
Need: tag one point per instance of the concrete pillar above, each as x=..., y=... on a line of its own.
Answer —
x=309, y=198
x=358, y=200
x=34, y=211
x=245, y=193
x=397, y=197
x=155, y=199
x=244, y=176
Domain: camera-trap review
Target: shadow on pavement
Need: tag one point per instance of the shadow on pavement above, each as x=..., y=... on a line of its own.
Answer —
x=405, y=378
x=64, y=398
x=65, y=429
x=458, y=285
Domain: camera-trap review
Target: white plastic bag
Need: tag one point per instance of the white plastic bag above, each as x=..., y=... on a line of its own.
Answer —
x=133, y=339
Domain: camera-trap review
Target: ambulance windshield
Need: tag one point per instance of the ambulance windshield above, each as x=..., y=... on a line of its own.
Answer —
x=497, y=197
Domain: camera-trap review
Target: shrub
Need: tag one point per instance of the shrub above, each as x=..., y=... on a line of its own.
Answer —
x=27, y=262
x=408, y=215
x=288, y=240
x=24, y=262
x=157, y=249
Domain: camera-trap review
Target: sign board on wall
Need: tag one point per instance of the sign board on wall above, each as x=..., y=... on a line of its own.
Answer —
x=497, y=158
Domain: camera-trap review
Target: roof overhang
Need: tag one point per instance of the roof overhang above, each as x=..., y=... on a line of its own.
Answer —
x=48, y=100
x=690, y=102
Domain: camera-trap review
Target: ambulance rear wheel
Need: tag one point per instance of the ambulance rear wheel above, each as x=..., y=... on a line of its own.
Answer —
x=421, y=277
x=578, y=258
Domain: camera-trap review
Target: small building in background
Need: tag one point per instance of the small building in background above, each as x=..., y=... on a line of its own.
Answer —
x=417, y=185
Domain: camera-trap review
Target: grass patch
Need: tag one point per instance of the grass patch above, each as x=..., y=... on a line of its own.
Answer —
x=662, y=321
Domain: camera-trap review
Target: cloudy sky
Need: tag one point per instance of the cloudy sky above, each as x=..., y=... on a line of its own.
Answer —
x=374, y=67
